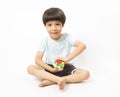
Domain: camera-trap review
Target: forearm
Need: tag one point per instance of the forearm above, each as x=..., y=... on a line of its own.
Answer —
x=43, y=65
x=78, y=50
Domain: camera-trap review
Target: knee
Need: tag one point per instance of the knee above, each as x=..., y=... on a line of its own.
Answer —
x=86, y=74
x=30, y=69
x=83, y=73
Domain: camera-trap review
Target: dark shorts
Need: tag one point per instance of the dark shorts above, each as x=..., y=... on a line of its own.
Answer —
x=68, y=69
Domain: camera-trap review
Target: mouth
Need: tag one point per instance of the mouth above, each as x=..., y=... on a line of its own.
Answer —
x=54, y=33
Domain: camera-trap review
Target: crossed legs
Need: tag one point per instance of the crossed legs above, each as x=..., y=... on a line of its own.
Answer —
x=48, y=78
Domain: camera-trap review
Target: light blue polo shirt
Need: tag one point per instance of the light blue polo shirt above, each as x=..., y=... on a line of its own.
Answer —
x=56, y=48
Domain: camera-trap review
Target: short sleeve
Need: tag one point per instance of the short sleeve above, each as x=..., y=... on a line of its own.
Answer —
x=71, y=40
x=42, y=45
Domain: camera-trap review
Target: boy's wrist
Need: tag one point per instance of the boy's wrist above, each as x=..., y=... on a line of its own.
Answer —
x=51, y=69
x=66, y=60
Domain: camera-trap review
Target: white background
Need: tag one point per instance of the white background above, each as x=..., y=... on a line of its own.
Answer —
x=94, y=22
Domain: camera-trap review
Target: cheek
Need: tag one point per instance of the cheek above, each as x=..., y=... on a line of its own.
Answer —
x=48, y=29
x=60, y=29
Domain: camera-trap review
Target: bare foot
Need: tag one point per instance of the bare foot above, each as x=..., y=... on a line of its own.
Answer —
x=46, y=83
x=61, y=84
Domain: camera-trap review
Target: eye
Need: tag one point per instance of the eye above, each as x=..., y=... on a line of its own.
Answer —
x=58, y=24
x=49, y=24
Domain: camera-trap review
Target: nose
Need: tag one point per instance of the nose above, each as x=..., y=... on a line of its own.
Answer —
x=53, y=27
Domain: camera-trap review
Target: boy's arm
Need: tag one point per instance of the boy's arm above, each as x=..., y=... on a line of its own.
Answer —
x=40, y=62
x=79, y=48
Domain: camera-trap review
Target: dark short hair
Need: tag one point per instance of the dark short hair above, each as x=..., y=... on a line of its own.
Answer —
x=54, y=14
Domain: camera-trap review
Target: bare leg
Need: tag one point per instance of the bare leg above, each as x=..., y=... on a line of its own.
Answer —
x=78, y=76
x=62, y=83
x=40, y=73
x=46, y=83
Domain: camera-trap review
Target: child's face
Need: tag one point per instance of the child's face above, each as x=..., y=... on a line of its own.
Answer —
x=54, y=29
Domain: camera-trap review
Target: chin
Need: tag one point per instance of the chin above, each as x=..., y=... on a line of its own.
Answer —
x=55, y=37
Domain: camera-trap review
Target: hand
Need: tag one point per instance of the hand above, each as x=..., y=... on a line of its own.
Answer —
x=56, y=70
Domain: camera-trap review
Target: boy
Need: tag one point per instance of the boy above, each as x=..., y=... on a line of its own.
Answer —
x=57, y=46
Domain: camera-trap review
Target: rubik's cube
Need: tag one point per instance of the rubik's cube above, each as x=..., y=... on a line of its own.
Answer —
x=59, y=64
